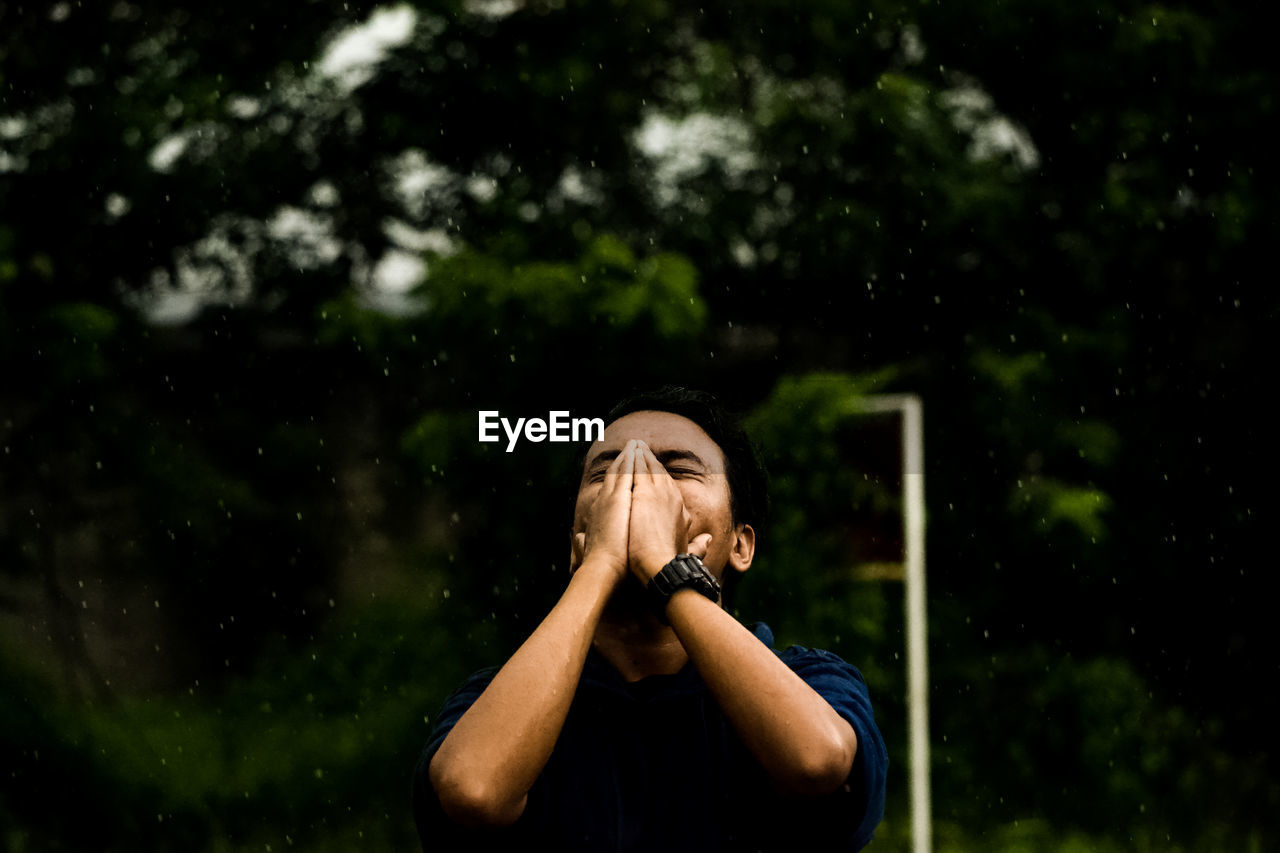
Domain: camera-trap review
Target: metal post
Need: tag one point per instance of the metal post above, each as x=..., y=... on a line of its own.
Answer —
x=917, y=624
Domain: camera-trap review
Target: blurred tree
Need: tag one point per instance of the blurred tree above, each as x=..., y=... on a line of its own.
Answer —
x=259, y=267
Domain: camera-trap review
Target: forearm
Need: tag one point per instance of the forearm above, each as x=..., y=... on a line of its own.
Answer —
x=484, y=769
x=803, y=744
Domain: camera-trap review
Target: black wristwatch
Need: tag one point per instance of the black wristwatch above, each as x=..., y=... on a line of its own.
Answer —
x=684, y=570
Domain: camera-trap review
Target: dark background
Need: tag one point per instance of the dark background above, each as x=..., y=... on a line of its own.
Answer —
x=248, y=539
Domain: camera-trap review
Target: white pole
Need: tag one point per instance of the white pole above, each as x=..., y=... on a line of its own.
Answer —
x=917, y=622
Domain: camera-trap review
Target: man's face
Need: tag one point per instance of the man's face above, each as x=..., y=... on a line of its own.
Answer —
x=693, y=460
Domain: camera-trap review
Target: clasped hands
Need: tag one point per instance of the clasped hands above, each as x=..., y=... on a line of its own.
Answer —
x=638, y=520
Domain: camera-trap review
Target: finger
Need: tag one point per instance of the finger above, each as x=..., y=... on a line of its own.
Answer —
x=615, y=467
x=642, y=456
x=656, y=468
x=626, y=476
x=700, y=545
x=619, y=468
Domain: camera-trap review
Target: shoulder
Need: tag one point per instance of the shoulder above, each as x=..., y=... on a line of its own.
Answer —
x=457, y=702
x=812, y=664
x=820, y=664
x=831, y=676
x=476, y=682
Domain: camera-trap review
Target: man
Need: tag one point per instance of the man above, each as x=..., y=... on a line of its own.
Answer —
x=640, y=715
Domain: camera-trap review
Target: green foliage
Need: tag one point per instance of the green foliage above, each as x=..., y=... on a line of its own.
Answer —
x=814, y=489
x=313, y=750
x=836, y=509
x=80, y=336
x=438, y=441
x=1100, y=728
x=1010, y=373
x=1051, y=221
x=1050, y=503
x=607, y=287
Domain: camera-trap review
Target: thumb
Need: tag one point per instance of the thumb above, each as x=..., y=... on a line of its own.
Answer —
x=577, y=551
x=700, y=545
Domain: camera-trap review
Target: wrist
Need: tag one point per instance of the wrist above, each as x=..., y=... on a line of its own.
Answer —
x=683, y=573
x=645, y=566
x=685, y=601
x=599, y=570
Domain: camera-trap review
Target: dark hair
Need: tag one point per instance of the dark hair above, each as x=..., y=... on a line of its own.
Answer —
x=748, y=483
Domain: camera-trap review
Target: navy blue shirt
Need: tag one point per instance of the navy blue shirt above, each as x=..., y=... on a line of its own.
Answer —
x=655, y=765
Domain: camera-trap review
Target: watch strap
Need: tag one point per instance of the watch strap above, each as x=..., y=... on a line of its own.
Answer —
x=684, y=570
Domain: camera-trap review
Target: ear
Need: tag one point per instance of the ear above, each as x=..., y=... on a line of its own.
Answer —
x=744, y=548
x=577, y=550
